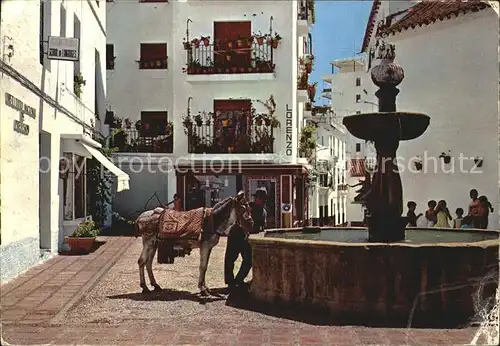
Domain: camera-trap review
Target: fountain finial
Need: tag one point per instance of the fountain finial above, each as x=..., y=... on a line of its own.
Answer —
x=387, y=75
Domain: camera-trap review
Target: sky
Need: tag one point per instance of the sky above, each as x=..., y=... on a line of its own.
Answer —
x=338, y=33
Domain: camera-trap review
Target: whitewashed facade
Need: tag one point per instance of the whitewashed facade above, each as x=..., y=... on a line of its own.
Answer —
x=37, y=211
x=451, y=74
x=351, y=91
x=136, y=88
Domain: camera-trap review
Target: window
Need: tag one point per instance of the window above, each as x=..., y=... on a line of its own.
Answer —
x=41, y=29
x=110, y=57
x=154, y=123
x=227, y=33
x=358, y=98
x=358, y=147
x=153, y=56
x=72, y=168
x=358, y=112
x=358, y=81
x=232, y=122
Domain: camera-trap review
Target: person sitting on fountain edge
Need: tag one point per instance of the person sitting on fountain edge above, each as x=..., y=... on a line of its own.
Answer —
x=412, y=217
x=237, y=243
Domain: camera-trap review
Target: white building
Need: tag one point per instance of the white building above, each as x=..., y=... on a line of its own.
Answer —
x=449, y=52
x=43, y=120
x=193, y=71
x=328, y=198
x=351, y=91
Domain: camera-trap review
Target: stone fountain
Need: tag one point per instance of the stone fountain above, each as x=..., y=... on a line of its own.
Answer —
x=386, y=274
x=386, y=129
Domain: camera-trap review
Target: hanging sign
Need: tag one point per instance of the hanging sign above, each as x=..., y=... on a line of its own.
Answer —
x=63, y=48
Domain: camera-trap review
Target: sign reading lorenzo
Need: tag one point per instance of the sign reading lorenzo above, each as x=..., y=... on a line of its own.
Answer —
x=24, y=109
x=288, y=131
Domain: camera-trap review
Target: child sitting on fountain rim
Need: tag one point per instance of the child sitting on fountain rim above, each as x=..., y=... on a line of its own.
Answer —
x=430, y=215
x=467, y=222
x=457, y=223
x=442, y=215
x=412, y=217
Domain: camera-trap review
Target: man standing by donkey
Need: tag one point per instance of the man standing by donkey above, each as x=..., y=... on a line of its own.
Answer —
x=237, y=243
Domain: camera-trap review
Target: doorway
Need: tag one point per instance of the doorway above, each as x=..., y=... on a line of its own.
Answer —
x=272, y=205
x=44, y=187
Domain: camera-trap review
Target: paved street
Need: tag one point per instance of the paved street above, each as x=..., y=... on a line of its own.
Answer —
x=96, y=299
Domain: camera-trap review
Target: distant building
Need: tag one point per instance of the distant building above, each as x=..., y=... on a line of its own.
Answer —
x=191, y=82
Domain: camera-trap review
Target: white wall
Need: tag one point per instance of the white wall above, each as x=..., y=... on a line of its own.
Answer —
x=455, y=81
x=20, y=154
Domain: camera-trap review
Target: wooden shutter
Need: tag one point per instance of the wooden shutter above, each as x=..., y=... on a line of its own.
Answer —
x=153, y=51
x=232, y=31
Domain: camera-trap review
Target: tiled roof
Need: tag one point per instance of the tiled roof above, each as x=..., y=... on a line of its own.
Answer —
x=429, y=11
x=370, y=25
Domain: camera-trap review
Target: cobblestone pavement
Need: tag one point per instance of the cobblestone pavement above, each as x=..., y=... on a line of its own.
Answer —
x=96, y=300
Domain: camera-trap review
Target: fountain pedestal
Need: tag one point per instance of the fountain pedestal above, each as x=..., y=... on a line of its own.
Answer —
x=386, y=129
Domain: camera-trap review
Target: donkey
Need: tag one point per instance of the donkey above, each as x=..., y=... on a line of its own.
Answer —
x=224, y=216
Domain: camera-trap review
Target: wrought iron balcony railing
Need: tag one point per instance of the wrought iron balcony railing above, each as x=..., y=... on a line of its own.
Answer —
x=142, y=141
x=245, y=55
x=211, y=138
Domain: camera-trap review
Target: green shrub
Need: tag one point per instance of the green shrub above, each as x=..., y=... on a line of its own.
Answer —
x=86, y=229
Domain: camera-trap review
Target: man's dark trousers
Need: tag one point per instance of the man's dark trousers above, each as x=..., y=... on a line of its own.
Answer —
x=237, y=244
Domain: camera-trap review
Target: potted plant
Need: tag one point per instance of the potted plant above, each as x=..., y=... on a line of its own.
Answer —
x=308, y=61
x=446, y=157
x=138, y=125
x=311, y=91
x=275, y=122
x=117, y=122
x=187, y=122
x=120, y=139
x=169, y=128
x=195, y=42
x=260, y=38
x=78, y=82
x=83, y=237
x=478, y=161
x=198, y=120
x=275, y=40
x=128, y=124
x=186, y=44
x=205, y=40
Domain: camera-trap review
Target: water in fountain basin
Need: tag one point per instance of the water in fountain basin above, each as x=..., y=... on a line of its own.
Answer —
x=412, y=235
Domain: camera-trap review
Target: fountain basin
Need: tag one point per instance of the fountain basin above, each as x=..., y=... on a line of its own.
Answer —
x=432, y=278
x=373, y=126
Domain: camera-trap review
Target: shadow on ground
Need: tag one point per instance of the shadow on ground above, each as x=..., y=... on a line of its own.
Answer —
x=169, y=295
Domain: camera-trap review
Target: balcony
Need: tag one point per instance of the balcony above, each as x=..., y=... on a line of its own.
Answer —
x=141, y=140
x=305, y=16
x=230, y=132
x=245, y=59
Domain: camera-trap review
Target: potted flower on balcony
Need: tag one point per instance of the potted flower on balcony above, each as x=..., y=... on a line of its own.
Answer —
x=275, y=40
x=83, y=237
x=195, y=42
x=120, y=139
x=478, y=161
x=138, y=125
x=198, y=119
x=311, y=91
x=187, y=122
x=128, y=124
x=260, y=38
x=186, y=44
x=418, y=164
x=308, y=61
x=205, y=40
x=169, y=128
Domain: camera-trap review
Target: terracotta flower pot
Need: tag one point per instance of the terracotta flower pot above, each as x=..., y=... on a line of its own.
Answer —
x=260, y=41
x=78, y=244
x=275, y=43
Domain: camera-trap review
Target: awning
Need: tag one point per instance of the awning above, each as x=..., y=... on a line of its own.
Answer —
x=122, y=181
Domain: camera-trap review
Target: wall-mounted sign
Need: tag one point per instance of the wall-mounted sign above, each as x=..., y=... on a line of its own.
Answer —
x=63, y=48
x=24, y=109
x=288, y=131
